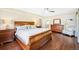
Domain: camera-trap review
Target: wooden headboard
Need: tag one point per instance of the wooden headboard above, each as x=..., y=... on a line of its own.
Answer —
x=21, y=23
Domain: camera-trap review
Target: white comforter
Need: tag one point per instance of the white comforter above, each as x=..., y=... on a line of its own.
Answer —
x=23, y=35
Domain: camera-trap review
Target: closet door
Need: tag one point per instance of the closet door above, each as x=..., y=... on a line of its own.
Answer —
x=77, y=25
x=69, y=27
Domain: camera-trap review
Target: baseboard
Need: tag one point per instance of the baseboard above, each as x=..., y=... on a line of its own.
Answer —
x=64, y=34
x=57, y=32
x=68, y=35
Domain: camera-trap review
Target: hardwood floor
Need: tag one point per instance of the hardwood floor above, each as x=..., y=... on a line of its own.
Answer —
x=11, y=46
x=77, y=46
x=60, y=42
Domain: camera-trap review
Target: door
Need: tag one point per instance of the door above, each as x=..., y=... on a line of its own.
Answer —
x=69, y=27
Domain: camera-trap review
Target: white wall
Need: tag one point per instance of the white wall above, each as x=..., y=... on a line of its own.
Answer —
x=63, y=18
x=17, y=15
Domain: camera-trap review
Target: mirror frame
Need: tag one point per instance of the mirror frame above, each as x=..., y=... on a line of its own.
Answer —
x=56, y=20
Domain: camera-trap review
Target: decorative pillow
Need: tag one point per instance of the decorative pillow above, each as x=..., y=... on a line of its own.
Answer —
x=31, y=26
x=28, y=27
x=25, y=27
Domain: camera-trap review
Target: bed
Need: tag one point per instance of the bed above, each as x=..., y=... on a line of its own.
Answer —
x=33, y=39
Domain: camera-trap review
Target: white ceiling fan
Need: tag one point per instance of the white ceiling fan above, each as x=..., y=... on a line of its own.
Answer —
x=49, y=9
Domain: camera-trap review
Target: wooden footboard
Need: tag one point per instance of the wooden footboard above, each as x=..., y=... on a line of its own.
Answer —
x=23, y=46
x=39, y=40
x=36, y=41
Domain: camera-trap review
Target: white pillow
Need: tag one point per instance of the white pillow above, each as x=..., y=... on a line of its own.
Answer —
x=21, y=27
x=25, y=27
x=28, y=27
x=31, y=26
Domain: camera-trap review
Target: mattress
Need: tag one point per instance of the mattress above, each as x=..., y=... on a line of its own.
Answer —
x=24, y=35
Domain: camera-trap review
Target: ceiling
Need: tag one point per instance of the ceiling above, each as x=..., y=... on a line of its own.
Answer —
x=45, y=12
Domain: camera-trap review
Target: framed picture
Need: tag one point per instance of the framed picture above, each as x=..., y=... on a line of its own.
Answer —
x=57, y=21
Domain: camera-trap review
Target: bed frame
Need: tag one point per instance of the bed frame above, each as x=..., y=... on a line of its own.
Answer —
x=36, y=41
x=21, y=23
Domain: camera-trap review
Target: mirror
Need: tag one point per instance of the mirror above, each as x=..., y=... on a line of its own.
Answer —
x=57, y=21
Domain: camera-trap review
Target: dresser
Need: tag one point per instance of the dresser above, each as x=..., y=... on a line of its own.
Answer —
x=6, y=36
x=57, y=28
